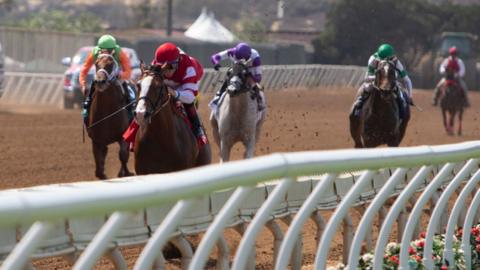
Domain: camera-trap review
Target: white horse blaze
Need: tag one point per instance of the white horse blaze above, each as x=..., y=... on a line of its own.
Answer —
x=141, y=108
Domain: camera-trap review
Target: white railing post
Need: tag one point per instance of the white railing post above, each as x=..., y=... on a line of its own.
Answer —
x=338, y=216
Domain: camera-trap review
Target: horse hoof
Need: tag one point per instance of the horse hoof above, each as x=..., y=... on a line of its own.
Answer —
x=125, y=174
x=101, y=176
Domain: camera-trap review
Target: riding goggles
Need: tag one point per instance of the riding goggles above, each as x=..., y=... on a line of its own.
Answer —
x=169, y=64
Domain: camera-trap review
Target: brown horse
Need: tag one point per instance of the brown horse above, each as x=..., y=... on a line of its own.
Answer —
x=164, y=141
x=452, y=100
x=107, y=120
x=380, y=122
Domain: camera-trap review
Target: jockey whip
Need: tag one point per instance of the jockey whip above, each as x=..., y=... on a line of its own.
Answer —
x=415, y=105
x=418, y=107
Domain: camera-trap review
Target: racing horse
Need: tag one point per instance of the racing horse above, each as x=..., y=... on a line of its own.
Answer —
x=452, y=100
x=108, y=118
x=237, y=117
x=164, y=141
x=380, y=122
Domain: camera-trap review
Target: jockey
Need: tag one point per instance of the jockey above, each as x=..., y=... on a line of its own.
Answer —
x=182, y=74
x=456, y=64
x=107, y=44
x=384, y=52
x=241, y=52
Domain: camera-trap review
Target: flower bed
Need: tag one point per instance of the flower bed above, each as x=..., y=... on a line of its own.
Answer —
x=391, y=258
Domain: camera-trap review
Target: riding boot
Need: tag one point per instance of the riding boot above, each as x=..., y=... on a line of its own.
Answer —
x=436, y=93
x=220, y=92
x=130, y=98
x=401, y=105
x=466, y=101
x=86, y=106
x=196, y=124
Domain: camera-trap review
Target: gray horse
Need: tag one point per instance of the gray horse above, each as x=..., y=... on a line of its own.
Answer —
x=238, y=117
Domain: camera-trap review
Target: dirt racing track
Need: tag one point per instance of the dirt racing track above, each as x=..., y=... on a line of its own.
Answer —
x=41, y=145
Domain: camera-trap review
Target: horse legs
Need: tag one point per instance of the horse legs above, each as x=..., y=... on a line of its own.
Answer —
x=446, y=122
x=123, y=155
x=460, y=117
x=99, y=153
x=224, y=151
x=355, y=130
x=214, y=123
x=249, y=148
x=452, y=122
x=204, y=156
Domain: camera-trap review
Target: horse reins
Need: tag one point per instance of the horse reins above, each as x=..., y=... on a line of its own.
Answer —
x=154, y=106
x=110, y=115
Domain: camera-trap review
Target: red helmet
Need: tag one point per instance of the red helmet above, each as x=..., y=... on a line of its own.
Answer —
x=453, y=50
x=167, y=53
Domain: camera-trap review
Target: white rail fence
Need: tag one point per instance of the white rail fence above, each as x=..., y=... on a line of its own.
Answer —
x=47, y=89
x=82, y=221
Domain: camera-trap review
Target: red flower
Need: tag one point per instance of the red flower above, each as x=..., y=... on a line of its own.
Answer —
x=417, y=258
x=444, y=267
x=422, y=235
x=477, y=239
x=475, y=231
x=394, y=259
x=460, y=232
x=421, y=243
x=411, y=251
x=477, y=247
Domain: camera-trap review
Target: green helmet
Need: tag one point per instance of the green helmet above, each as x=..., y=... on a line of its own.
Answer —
x=107, y=42
x=385, y=51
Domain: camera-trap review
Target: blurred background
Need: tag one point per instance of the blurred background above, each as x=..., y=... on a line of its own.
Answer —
x=37, y=34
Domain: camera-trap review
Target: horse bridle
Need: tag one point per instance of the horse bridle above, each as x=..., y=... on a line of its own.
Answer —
x=112, y=75
x=242, y=75
x=154, y=106
x=391, y=64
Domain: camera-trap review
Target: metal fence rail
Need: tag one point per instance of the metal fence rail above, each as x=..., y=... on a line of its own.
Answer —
x=278, y=187
x=47, y=89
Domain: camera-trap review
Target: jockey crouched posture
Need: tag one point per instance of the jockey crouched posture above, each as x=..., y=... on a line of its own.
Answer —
x=107, y=44
x=456, y=64
x=182, y=74
x=384, y=52
x=241, y=52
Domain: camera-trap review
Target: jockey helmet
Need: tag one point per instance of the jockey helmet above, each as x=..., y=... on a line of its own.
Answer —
x=453, y=50
x=385, y=51
x=107, y=42
x=167, y=53
x=243, y=51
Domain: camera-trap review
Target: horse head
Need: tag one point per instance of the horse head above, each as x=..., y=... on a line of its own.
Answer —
x=385, y=78
x=153, y=93
x=238, y=74
x=106, y=71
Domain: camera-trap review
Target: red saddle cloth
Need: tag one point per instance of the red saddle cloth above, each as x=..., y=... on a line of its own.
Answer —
x=131, y=132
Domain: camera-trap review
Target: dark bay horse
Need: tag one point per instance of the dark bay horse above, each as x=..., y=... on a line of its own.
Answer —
x=164, y=141
x=107, y=120
x=452, y=100
x=380, y=122
x=237, y=117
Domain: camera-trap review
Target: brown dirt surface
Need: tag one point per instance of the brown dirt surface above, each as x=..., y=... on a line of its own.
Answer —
x=43, y=146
